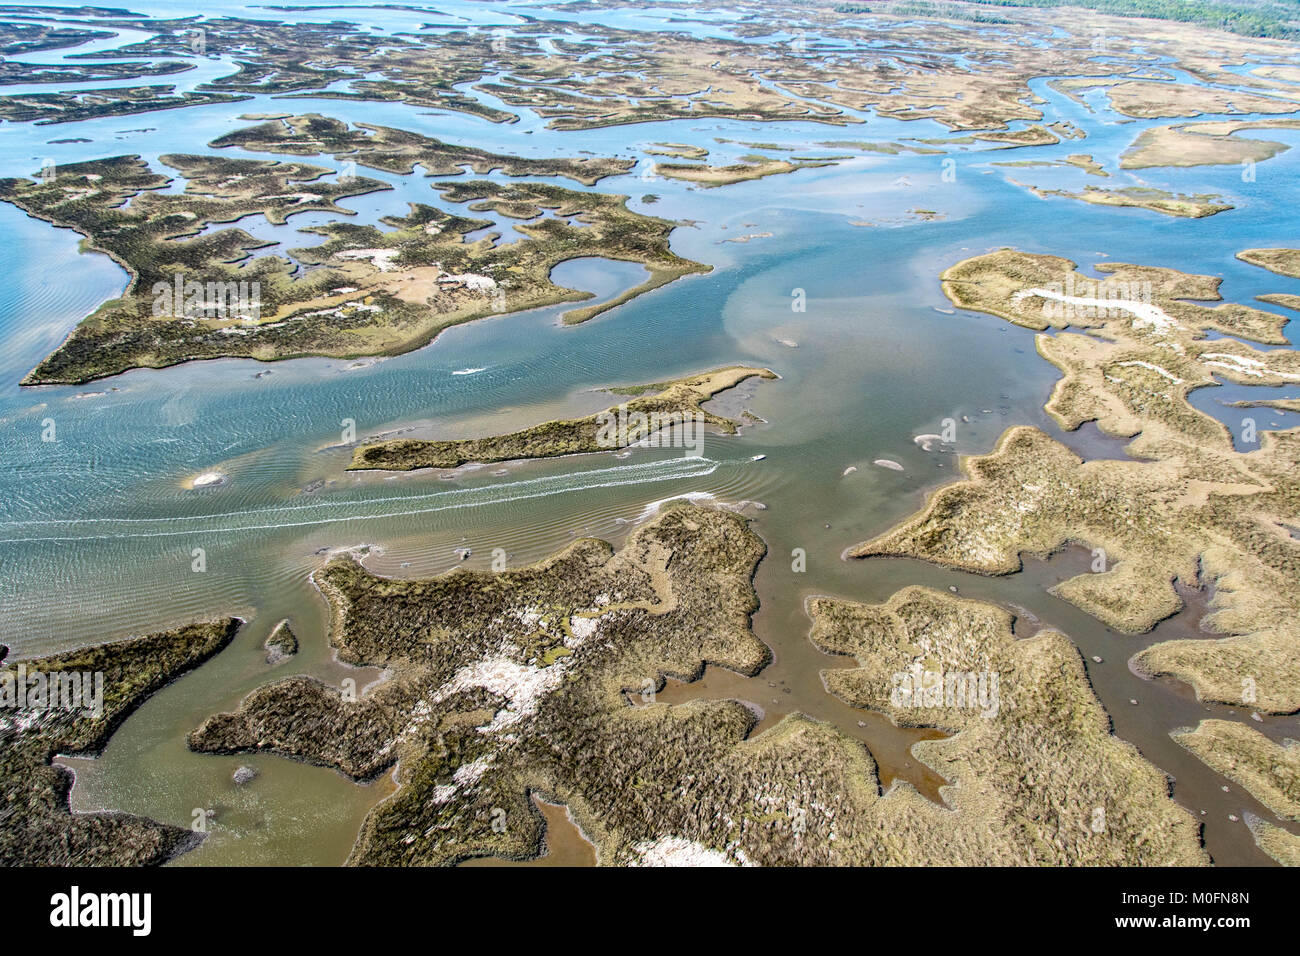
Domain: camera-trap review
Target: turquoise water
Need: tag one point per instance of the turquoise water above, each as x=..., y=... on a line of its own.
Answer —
x=97, y=529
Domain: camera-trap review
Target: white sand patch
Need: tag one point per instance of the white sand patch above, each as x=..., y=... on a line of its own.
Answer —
x=1163, y=373
x=466, y=775
x=1144, y=313
x=1243, y=365
x=76, y=195
x=299, y=198
x=442, y=793
x=470, y=280
x=583, y=628
x=23, y=721
x=381, y=259
x=677, y=851
x=207, y=479
x=654, y=506
x=522, y=686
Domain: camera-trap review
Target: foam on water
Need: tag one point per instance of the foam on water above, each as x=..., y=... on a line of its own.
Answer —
x=495, y=494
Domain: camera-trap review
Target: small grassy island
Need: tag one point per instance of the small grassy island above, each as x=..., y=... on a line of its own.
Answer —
x=1144, y=197
x=200, y=292
x=400, y=151
x=1269, y=771
x=1089, y=165
x=503, y=685
x=1188, y=507
x=69, y=107
x=39, y=828
x=671, y=403
x=1203, y=144
x=1150, y=99
x=281, y=644
x=1082, y=161
x=19, y=39
x=677, y=150
x=750, y=167
x=1285, y=262
x=1280, y=844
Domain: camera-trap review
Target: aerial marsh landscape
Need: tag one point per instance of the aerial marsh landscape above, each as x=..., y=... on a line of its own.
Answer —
x=650, y=434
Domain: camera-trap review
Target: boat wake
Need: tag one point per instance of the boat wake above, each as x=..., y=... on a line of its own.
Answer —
x=331, y=512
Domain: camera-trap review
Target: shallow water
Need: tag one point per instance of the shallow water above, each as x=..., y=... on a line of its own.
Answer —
x=97, y=530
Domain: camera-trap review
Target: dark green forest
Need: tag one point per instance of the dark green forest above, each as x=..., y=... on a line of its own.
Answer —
x=1255, y=18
